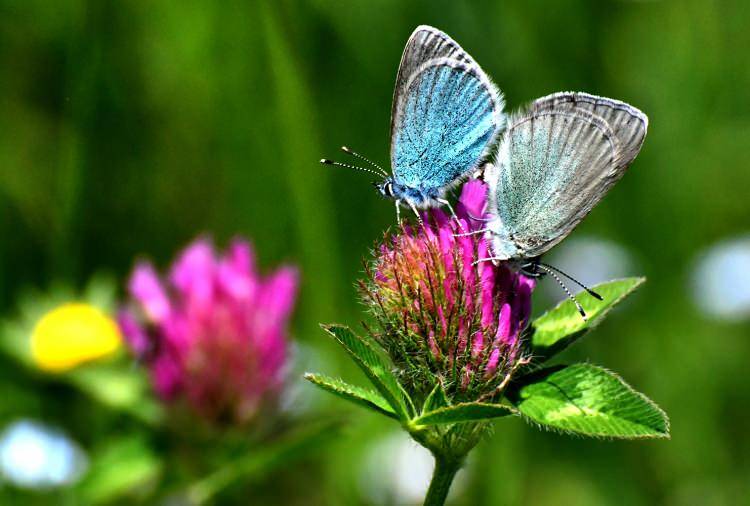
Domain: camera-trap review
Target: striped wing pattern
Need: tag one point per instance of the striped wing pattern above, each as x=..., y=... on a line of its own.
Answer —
x=555, y=163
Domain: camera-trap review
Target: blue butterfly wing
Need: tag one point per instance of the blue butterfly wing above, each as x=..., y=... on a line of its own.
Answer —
x=425, y=43
x=446, y=113
x=553, y=167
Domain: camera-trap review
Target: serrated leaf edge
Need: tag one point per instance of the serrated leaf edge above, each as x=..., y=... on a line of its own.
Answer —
x=607, y=437
x=420, y=420
x=402, y=404
x=325, y=383
x=427, y=406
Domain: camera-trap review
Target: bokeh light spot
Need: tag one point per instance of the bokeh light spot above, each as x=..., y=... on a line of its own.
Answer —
x=721, y=280
x=35, y=456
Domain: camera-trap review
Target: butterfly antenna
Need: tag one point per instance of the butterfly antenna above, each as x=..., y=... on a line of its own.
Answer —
x=364, y=158
x=565, y=288
x=326, y=161
x=574, y=280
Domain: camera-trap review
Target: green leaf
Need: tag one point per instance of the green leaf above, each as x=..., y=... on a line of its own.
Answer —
x=117, y=386
x=375, y=368
x=362, y=396
x=561, y=326
x=464, y=412
x=436, y=400
x=588, y=400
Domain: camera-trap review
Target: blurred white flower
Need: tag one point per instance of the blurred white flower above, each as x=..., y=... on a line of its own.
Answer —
x=36, y=456
x=721, y=280
x=297, y=398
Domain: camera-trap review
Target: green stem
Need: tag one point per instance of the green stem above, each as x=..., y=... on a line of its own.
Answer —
x=442, y=477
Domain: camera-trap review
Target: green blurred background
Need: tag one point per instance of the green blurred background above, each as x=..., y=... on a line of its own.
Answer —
x=127, y=128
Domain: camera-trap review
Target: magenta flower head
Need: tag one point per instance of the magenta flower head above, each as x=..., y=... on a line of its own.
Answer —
x=213, y=333
x=443, y=314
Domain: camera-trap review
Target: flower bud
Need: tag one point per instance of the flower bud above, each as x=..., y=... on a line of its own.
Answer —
x=444, y=313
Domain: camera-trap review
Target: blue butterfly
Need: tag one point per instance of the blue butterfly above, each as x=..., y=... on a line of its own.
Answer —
x=554, y=164
x=445, y=118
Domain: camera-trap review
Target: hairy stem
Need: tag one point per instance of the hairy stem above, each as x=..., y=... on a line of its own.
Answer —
x=442, y=478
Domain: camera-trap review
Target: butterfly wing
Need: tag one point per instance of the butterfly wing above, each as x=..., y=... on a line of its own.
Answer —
x=426, y=43
x=628, y=123
x=446, y=112
x=555, y=164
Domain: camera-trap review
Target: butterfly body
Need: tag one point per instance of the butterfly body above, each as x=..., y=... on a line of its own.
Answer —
x=418, y=197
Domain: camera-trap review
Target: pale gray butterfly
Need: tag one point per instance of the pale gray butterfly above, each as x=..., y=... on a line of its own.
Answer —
x=554, y=164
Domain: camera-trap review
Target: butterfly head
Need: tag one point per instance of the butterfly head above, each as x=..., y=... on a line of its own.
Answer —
x=385, y=187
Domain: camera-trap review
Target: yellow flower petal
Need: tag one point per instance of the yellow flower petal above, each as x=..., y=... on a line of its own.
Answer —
x=72, y=334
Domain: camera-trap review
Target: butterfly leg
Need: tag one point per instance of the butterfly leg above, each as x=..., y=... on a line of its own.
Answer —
x=494, y=260
x=477, y=218
x=532, y=269
x=473, y=232
x=398, y=212
x=453, y=213
x=416, y=212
